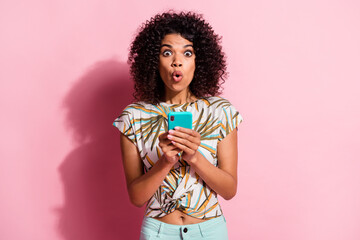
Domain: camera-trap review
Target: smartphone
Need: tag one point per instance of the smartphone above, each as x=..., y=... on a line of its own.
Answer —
x=179, y=119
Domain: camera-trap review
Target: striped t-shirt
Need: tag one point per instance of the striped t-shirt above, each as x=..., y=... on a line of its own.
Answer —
x=182, y=189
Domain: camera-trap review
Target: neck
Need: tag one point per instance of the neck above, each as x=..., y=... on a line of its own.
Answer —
x=179, y=97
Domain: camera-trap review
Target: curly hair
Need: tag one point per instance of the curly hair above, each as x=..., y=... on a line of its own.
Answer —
x=210, y=65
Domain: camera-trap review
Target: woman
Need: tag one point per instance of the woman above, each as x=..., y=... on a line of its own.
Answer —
x=178, y=65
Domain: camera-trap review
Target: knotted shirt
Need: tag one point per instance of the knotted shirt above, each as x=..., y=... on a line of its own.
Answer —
x=182, y=189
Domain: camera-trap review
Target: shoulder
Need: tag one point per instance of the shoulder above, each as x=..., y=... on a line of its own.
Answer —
x=133, y=112
x=216, y=102
x=223, y=108
x=226, y=114
x=138, y=107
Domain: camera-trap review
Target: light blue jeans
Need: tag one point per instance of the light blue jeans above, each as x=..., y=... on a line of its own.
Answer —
x=211, y=229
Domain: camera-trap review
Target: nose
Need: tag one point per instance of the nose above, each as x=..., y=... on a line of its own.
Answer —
x=176, y=62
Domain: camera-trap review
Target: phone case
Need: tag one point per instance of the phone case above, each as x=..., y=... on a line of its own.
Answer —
x=180, y=119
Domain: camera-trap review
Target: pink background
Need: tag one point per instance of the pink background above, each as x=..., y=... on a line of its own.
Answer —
x=294, y=77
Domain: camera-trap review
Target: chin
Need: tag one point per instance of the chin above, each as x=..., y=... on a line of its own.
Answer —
x=179, y=89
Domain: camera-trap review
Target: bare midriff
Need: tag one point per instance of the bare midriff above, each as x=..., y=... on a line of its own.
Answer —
x=179, y=218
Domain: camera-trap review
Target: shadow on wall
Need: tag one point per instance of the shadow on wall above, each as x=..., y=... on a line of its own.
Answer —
x=96, y=204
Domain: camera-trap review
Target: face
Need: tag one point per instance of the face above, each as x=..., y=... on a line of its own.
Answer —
x=177, y=63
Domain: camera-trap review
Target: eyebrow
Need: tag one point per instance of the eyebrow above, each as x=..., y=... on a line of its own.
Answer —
x=168, y=45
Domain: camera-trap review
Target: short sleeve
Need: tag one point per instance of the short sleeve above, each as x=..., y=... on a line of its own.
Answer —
x=230, y=119
x=125, y=124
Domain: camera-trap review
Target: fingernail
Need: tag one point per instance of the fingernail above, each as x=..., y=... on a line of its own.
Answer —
x=177, y=128
x=171, y=131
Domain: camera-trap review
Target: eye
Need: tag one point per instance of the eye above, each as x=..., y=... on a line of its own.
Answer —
x=188, y=53
x=166, y=53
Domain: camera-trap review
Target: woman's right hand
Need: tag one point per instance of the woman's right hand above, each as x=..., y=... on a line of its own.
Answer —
x=170, y=151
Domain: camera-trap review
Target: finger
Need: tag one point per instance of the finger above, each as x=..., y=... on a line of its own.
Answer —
x=175, y=151
x=185, y=142
x=196, y=140
x=169, y=148
x=165, y=142
x=172, y=157
x=163, y=136
x=190, y=137
x=172, y=153
x=184, y=148
x=163, y=139
x=180, y=135
x=188, y=131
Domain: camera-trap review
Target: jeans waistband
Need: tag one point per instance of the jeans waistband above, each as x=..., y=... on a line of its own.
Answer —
x=189, y=229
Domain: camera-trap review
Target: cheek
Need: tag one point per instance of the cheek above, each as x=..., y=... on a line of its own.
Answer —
x=192, y=67
x=164, y=72
x=162, y=69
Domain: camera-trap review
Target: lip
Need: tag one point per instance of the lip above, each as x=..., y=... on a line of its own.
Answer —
x=177, y=73
x=177, y=76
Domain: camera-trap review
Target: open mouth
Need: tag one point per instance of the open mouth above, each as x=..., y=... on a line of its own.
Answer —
x=177, y=76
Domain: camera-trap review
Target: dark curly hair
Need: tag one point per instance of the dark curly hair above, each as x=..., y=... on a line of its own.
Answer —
x=210, y=65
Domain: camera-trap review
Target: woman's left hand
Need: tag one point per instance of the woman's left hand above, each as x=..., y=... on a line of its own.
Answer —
x=187, y=140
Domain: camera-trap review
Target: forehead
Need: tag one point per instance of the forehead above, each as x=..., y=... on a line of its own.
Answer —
x=175, y=39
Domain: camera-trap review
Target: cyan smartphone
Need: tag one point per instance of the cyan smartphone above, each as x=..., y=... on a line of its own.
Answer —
x=179, y=119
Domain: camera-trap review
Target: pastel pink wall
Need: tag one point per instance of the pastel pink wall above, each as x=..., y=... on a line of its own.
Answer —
x=294, y=77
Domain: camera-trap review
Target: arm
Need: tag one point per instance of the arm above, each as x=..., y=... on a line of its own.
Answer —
x=222, y=179
x=142, y=186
